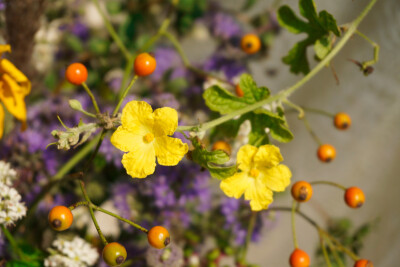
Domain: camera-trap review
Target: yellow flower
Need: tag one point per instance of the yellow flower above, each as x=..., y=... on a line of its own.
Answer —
x=14, y=86
x=260, y=175
x=144, y=135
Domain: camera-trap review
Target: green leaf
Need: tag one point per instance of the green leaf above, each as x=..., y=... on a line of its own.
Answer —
x=212, y=160
x=221, y=100
x=328, y=22
x=288, y=19
x=318, y=28
x=322, y=47
x=297, y=58
x=74, y=43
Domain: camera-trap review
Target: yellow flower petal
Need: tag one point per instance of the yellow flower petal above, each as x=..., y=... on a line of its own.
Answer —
x=169, y=150
x=125, y=140
x=1, y=120
x=141, y=161
x=165, y=121
x=24, y=84
x=5, y=48
x=235, y=185
x=259, y=195
x=267, y=156
x=12, y=97
x=276, y=178
x=137, y=117
x=245, y=157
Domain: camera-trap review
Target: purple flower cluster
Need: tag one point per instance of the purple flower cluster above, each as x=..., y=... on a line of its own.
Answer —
x=168, y=60
x=229, y=66
x=224, y=26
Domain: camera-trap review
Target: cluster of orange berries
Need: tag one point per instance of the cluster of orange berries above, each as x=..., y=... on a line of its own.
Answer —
x=327, y=152
x=144, y=65
x=114, y=254
x=302, y=191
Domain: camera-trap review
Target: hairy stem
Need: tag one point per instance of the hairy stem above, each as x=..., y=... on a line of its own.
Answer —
x=329, y=183
x=89, y=92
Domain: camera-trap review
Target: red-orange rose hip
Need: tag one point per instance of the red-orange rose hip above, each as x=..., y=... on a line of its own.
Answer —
x=60, y=218
x=342, y=121
x=222, y=145
x=76, y=73
x=302, y=191
x=158, y=237
x=363, y=263
x=299, y=258
x=354, y=197
x=145, y=64
x=326, y=153
x=250, y=43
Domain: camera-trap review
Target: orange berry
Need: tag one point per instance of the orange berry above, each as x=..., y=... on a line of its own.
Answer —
x=354, y=197
x=76, y=73
x=326, y=153
x=239, y=91
x=158, y=237
x=114, y=254
x=222, y=145
x=302, y=191
x=363, y=263
x=250, y=43
x=299, y=258
x=342, y=121
x=60, y=218
x=145, y=64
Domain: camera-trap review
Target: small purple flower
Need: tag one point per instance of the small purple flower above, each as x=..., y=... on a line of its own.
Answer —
x=224, y=26
x=230, y=67
x=168, y=60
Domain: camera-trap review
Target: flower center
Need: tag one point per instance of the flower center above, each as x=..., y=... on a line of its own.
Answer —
x=254, y=173
x=148, y=138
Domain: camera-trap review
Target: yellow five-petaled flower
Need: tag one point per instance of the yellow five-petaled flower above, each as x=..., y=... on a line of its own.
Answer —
x=260, y=174
x=144, y=134
x=14, y=86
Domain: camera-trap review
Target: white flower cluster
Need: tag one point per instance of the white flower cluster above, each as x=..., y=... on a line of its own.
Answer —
x=11, y=207
x=7, y=175
x=71, y=253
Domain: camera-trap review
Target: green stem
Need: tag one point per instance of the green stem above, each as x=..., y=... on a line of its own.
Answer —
x=120, y=218
x=295, y=242
x=320, y=230
x=89, y=92
x=376, y=50
x=124, y=94
x=112, y=31
x=318, y=111
x=310, y=130
x=12, y=241
x=97, y=208
x=250, y=230
x=322, y=244
x=329, y=183
x=284, y=94
x=296, y=107
x=333, y=250
x=86, y=196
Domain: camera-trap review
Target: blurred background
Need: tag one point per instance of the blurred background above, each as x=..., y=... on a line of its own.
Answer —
x=61, y=32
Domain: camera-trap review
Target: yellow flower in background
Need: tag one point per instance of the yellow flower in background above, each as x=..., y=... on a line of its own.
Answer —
x=144, y=134
x=260, y=175
x=14, y=86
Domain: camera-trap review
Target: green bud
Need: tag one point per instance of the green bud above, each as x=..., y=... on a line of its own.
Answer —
x=75, y=104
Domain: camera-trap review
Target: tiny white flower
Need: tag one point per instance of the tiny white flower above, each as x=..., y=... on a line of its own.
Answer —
x=7, y=174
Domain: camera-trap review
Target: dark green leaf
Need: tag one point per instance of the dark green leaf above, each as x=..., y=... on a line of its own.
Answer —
x=219, y=99
x=318, y=29
x=212, y=160
x=297, y=58
x=328, y=22
x=288, y=19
